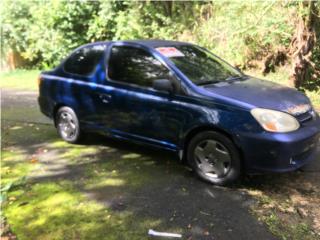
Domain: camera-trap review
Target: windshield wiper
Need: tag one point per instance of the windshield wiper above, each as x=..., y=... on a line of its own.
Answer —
x=235, y=77
x=208, y=82
x=231, y=78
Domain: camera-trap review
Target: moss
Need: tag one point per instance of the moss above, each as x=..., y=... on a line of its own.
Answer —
x=57, y=211
x=14, y=165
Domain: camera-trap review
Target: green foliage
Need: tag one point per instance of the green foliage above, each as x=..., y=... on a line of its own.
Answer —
x=15, y=21
x=103, y=24
x=46, y=31
x=43, y=32
x=243, y=31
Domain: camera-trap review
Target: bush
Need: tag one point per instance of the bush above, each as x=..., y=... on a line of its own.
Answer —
x=46, y=31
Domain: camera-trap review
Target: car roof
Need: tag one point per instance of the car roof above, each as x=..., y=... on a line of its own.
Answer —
x=156, y=43
x=147, y=43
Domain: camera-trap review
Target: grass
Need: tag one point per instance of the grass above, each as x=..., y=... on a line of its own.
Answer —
x=287, y=203
x=53, y=207
x=20, y=79
x=57, y=211
x=284, y=225
x=294, y=232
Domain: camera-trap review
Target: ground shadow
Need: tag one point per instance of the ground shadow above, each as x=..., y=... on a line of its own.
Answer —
x=148, y=183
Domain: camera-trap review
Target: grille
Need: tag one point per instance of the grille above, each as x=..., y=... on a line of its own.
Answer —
x=302, y=156
x=304, y=117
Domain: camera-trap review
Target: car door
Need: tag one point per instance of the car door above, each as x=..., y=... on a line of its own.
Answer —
x=141, y=112
x=84, y=89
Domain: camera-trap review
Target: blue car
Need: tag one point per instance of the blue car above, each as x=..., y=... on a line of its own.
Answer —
x=181, y=97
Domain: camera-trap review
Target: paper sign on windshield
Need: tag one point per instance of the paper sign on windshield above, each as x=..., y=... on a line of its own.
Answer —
x=170, y=52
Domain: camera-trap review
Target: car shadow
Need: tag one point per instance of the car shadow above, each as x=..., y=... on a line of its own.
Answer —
x=151, y=183
x=146, y=182
x=161, y=156
x=171, y=192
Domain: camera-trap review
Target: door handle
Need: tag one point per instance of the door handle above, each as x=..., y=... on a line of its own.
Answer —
x=105, y=98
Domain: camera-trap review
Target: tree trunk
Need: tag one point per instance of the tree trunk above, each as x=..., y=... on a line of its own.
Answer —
x=302, y=45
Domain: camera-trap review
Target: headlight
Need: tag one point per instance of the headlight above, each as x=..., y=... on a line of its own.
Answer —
x=275, y=121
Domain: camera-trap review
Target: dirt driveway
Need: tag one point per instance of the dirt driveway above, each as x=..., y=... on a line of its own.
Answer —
x=148, y=183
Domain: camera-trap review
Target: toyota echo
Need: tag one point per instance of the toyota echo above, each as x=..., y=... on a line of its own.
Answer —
x=181, y=97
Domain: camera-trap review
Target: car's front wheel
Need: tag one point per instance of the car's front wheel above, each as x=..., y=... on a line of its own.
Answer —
x=214, y=158
x=67, y=124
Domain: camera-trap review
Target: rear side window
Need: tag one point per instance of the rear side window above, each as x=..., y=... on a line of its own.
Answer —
x=135, y=66
x=84, y=60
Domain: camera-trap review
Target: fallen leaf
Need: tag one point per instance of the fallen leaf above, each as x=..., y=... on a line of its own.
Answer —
x=204, y=213
x=34, y=160
x=302, y=212
x=12, y=198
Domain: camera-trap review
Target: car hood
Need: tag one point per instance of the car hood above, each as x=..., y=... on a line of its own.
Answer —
x=260, y=93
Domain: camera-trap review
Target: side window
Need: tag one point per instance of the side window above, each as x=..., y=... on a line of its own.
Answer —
x=135, y=66
x=84, y=60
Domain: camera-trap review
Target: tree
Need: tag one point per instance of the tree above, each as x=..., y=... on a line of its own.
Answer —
x=305, y=47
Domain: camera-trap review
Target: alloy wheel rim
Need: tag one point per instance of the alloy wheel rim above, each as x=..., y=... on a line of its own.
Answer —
x=212, y=158
x=67, y=125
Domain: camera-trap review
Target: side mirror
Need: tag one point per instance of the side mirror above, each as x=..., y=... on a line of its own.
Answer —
x=163, y=85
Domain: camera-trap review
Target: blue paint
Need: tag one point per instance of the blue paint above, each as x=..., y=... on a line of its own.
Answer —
x=165, y=120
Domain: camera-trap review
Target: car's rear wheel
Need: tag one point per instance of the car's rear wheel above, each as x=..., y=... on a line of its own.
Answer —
x=67, y=124
x=214, y=158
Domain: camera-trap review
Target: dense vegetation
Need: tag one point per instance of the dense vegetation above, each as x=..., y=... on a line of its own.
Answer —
x=248, y=34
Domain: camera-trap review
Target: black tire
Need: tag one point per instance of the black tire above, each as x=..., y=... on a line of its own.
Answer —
x=65, y=117
x=220, y=166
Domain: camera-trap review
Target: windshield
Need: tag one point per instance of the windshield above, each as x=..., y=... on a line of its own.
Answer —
x=200, y=66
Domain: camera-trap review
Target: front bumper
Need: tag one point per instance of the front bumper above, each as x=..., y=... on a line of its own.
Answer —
x=281, y=152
